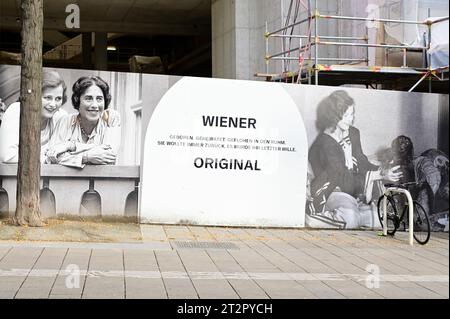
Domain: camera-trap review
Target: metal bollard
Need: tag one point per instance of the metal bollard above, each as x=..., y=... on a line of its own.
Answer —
x=410, y=207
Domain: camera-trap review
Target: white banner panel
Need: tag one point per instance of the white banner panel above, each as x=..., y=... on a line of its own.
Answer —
x=221, y=152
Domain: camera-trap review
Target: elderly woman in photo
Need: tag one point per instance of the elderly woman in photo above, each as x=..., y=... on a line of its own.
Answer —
x=91, y=137
x=53, y=97
x=343, y=176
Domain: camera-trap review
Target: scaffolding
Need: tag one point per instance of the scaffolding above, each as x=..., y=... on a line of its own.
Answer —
x=305, y=49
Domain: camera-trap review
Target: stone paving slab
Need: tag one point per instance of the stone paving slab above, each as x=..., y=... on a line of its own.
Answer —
x=437, y=288
x=390, y=291
x=275, y=258
x=10, y=285
x=224, y=261
x=169, y=261
x=32, y=293
x=139, y=288
x=354, y=290
x=64, y=287
x=322, y=290
x=197, y=261
x=4, y=251
x=104, y=260
x=153, y=233
x=267, y=263
x=247, y=289
x=104, y=288
x=8, y=294
x=43, y=283
x=214, y=289
x=418, y=290
x=148, y=245
x=140, y=260
x=276, y=289
x=180, y=288
x=201, y=234
x=63, y=297
x=21, y=258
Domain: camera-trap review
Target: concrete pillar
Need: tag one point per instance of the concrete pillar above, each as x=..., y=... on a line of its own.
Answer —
x=238, y=36
x=223, y=39
x=238, y=40
x=87, y=48
x=101, y=55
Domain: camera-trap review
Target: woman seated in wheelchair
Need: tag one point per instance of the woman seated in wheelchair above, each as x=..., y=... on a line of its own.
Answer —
x=343, y=178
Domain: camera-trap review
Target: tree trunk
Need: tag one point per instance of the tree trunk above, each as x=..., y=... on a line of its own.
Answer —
x=28, y=174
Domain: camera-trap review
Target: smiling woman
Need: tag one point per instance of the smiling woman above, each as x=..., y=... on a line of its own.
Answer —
x=53, y=97
x=91, y=137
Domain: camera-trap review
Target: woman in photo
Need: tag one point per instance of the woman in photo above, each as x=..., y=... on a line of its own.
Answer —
x=2, y=110
x=53, y=97
x=343, y=176
x=91, y=137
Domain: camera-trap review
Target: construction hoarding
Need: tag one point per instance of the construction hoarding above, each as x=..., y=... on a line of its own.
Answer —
x=181, y=150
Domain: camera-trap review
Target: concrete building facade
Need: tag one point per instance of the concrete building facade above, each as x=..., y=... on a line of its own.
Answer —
x=209, y=38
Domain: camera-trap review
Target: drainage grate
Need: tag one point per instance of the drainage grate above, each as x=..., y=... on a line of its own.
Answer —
x=204, y=245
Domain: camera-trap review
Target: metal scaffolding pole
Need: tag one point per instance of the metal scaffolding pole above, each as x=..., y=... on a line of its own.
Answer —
x=320, y=37
x=315, y=68
x=267, y=49
x=310, y=15
x=420, y=81
x=316, y=38
x=301, y=49
x=430, y=89
x=386, y=46
x=289, y=26
x=319, y=59
x=283, y=41
x=373, y=19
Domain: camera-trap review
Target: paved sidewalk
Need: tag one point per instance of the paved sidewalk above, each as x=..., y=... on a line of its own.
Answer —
x=204, y=262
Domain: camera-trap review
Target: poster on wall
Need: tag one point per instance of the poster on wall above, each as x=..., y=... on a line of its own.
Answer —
x=90, y=161
x=361, y=140
x=222, y=152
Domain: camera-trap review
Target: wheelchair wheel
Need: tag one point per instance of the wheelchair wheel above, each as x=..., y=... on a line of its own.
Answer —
x=393, y=221
x=422, y=229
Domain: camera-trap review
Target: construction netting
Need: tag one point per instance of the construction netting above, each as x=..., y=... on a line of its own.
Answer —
x=392, y=33
x=418, y=34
